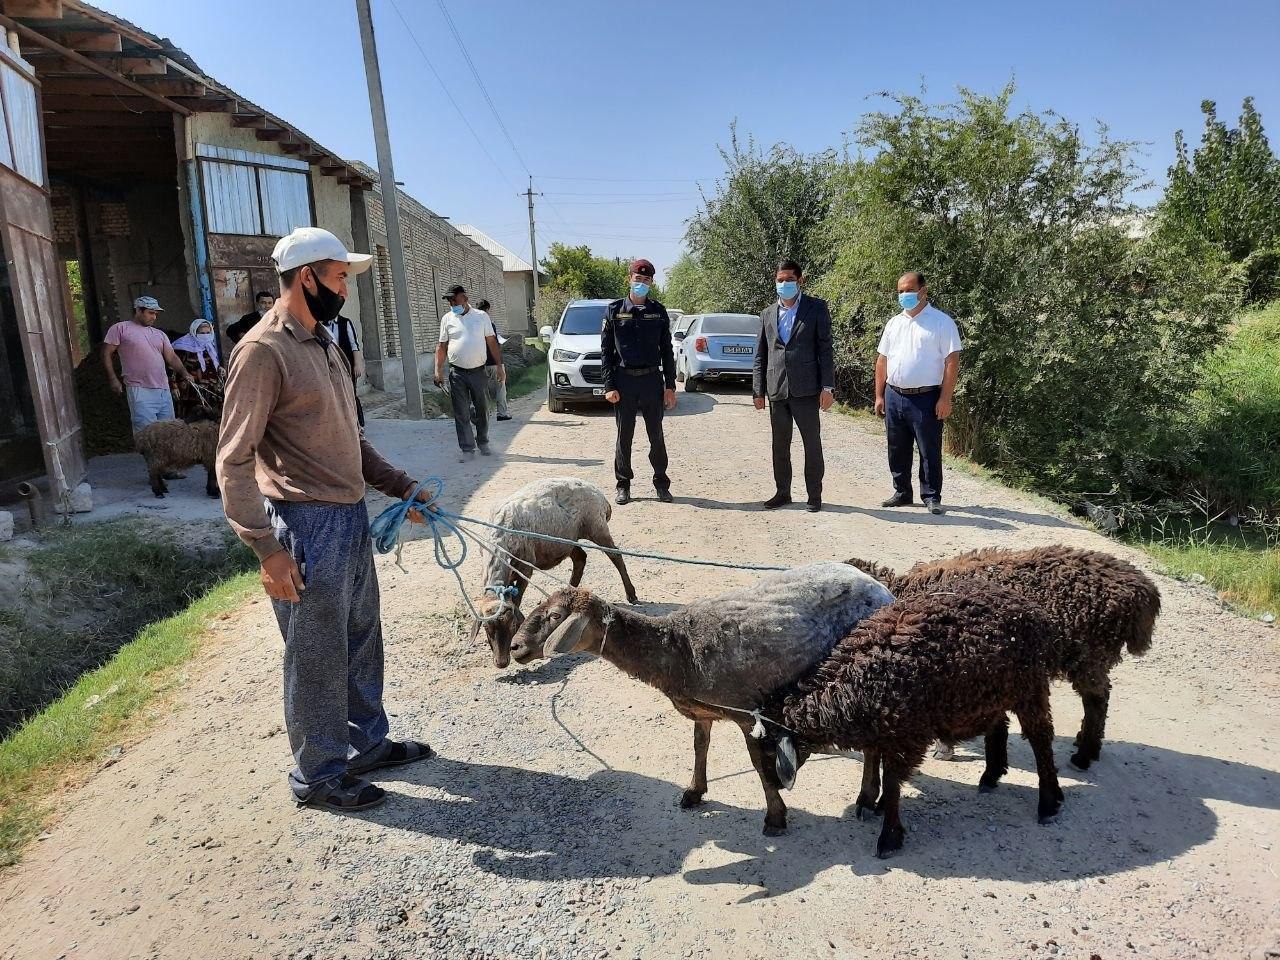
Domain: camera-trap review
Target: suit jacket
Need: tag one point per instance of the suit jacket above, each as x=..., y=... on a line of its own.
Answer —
x=802, y=366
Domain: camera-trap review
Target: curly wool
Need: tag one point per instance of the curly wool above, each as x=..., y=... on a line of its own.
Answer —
x=169, y=445
x=937, y=665
x=563, y=507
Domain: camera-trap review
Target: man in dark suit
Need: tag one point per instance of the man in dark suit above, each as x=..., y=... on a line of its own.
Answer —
x=795, y=368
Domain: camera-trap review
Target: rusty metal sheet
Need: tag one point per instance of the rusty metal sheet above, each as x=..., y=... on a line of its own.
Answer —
x=26, y=222
x=230, y=250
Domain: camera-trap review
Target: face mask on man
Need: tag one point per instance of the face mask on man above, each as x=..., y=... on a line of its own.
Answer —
x=908, y=300
x=458, y=309
x=640, y=289
x=324, y=304
x=787, y=289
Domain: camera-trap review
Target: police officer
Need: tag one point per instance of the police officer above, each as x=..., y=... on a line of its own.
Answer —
x=639, y=369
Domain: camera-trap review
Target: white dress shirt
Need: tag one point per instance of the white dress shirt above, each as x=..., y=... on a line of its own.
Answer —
x=917, y=347
x=465, y=336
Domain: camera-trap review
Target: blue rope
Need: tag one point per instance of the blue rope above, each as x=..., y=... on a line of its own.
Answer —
x=387, y=536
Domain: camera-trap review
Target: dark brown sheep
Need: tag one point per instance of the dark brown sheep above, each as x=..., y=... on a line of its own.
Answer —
x=1100, y=605
x=175, y=445
x=943, y=664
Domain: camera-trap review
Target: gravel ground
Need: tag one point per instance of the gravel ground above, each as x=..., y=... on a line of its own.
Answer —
x=549, y=826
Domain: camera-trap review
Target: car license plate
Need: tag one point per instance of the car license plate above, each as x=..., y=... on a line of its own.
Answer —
x=739, y=349
x=597, y=392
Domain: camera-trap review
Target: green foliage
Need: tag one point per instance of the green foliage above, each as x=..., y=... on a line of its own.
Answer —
x=1227, y=195
x=578, y=271
x=1078, y=343
x=689, y=287
x=768, y=207
x=1235, y=420
x=551, y=303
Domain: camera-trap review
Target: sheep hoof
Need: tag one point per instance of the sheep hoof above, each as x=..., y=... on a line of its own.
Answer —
x=771, y=831
x=988, y=782
x=159, y=494
x=865, y=809
x=890, y=840
x=632, y=599
x=690, y=799
x=1049, y=810
x=1081, y=760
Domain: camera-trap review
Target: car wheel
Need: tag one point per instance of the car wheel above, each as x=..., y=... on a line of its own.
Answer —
x=553, y=405
x=691, y=385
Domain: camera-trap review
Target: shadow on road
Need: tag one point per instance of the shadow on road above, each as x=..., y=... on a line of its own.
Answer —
x=1139, y=806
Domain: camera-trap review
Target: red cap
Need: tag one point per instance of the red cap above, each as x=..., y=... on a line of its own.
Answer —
x=642, y=266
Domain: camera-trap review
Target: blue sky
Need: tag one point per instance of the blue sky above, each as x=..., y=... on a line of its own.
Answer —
x=617, y=108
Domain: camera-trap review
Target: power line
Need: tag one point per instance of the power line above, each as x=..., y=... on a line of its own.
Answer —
x=466, y=55
x=631, y=179
x=440, y=80
x=629, y=193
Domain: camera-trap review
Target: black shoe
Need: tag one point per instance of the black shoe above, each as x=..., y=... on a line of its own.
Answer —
x=898, y=500
x=665, y=496
x=503, y=416
x=622, y=497
x=776, y=501
x=934, y=505
x=815, y=506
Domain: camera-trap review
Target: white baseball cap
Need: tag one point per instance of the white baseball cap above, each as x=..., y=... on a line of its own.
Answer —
x=311, y=245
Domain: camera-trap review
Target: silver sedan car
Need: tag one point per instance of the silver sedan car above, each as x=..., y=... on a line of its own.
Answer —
x=717, y=348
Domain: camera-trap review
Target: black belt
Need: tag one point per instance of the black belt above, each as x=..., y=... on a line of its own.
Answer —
x=912, y=391
x=466, y=369
x=639, y=371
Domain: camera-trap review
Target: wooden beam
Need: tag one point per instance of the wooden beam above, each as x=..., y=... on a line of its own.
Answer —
x=32, y=8
x=248, y=120
x=124, y=29
x=271, y=133
x=62, y=101
x=96, y=40
x=99, y=118
x=290, y=146
x=92, y=85
x=41, y=40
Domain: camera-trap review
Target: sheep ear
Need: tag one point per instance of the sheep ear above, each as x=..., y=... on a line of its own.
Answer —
x=567, y=636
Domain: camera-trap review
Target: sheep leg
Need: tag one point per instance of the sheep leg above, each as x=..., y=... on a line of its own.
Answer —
x=892, y=832
x=1037, y=726
x=997, y=750
x=155, y=474
x=579, y=558
x=869, y=796
x=211, y=480
x=775, y=818
x=605, y=539
x=1095, y=697
x=698, y=786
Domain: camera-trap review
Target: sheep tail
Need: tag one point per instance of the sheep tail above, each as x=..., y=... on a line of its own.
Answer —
x=1148, y=601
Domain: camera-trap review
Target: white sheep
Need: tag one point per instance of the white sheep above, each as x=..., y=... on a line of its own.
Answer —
x=563, y=507
x=735, y=650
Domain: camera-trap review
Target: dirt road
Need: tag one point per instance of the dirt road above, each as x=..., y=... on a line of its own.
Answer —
x=549, y=825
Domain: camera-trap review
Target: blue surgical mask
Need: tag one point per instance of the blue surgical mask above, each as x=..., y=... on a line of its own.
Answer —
x=787, y=289
x=458, y=309
x=640, y=289
x=908, y=300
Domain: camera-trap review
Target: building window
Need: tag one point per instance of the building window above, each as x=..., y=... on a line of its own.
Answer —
x=21, y=149
x=254, y=194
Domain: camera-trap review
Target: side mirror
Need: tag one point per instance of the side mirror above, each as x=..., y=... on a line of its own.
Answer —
x=679, y=335
x=545, y=333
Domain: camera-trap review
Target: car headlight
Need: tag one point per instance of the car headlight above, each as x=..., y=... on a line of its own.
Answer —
x=564, y=356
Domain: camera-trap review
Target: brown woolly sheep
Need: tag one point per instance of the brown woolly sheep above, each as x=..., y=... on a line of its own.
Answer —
x=175, y=445
x=1100, y=604
x=945, y=664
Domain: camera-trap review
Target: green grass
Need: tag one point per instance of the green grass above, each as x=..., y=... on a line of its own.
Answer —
x=70, y=734
x=529, y=380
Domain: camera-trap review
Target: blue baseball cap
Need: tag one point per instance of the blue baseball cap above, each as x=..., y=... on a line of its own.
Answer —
x=147, y=303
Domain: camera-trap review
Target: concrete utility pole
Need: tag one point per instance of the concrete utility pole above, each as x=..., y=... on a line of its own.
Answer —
x=533, y=251
x=391, y=213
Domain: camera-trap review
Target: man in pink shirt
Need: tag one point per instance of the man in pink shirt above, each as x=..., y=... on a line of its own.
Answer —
x=144, y=352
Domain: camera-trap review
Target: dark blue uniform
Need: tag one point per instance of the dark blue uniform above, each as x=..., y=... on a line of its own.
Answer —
x=638, y=362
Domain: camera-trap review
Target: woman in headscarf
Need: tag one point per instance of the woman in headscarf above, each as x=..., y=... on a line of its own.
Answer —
x=198, y=351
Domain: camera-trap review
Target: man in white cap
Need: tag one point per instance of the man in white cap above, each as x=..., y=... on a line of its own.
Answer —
x=289, y=434
x=144, y=353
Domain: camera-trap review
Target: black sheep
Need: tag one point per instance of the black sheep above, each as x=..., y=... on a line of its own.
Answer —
x=1099, y=604
x=945, y=664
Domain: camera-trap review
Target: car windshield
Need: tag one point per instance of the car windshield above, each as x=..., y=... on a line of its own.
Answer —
x=587, y=318
x=740, y=324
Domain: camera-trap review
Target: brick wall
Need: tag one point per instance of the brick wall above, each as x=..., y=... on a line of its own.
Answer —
x=437, y=256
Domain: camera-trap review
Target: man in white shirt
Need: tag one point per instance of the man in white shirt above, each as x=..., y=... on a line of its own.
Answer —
x=466, y=339
x=915, y=378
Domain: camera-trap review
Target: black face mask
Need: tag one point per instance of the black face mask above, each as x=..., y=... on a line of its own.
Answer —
x=324, y=304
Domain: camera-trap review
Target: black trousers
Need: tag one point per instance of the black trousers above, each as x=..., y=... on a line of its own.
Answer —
x=911, y=421
x=643, y=396
x=803, y=413
x=468, y=391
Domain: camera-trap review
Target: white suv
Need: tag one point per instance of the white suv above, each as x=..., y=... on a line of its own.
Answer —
x=573, y=354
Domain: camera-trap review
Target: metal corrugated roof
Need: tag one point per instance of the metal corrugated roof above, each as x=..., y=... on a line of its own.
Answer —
x=511, y=262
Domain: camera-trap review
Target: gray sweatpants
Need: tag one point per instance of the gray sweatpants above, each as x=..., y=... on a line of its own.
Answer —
x=332, y=642
x=467, y=391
